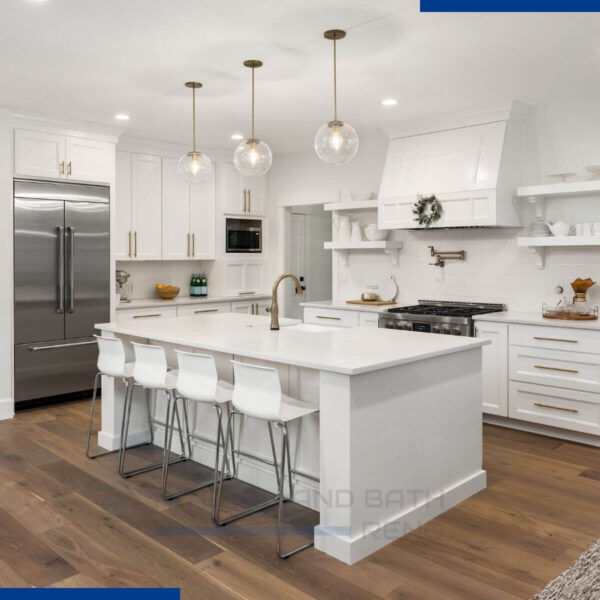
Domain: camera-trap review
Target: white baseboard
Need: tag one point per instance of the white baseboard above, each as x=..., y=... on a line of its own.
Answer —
x=350, y=549
x=113, y=442
x=555, y=432
x=7, y=408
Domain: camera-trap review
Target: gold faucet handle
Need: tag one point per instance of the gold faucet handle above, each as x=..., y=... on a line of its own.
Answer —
x=268, y=309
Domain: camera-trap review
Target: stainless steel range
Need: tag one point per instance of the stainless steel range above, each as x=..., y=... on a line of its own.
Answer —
x=432, y=316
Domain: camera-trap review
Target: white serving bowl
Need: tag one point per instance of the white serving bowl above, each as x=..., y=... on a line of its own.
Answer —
x=373, y=234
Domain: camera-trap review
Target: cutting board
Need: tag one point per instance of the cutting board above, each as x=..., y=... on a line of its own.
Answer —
x=370, y=302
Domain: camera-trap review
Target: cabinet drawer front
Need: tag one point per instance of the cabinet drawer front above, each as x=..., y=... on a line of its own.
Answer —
x=575, y=370
x=366, y=319
x=190, y=310
x=557, y=338
x=331, y=317
x=124, y=314
x=577, y=411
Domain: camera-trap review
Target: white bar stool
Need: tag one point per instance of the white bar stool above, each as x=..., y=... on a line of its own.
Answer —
x=111, y=363
x=257, y=393
x=150, y=372
x=197, y=380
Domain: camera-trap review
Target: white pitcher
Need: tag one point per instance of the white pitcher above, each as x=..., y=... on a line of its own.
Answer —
x=342, y=228
x=356, y=234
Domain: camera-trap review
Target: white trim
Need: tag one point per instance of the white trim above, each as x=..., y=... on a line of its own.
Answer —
x=7, y=408
x=112, y=442
x=554, y=432
x=350, y=549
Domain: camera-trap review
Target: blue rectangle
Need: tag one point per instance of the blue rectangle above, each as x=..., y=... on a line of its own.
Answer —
x=89, y=593
x=510, y=6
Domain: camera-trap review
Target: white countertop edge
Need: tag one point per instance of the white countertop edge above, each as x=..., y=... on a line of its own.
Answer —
x=121, y=328
x=533, y=318
x=182, y=300
x=342, y=305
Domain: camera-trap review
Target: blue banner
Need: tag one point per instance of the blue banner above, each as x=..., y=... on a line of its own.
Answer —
x=510, y=5
x=89, y=594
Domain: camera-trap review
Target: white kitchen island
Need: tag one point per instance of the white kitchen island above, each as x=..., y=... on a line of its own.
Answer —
x=397, y=441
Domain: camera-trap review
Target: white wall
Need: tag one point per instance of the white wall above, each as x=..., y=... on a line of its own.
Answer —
x=6, y=268
x=564, y=138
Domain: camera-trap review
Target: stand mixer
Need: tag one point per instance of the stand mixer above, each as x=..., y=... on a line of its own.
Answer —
x=124, y=286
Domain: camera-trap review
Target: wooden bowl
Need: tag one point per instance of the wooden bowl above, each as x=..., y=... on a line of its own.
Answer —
x=167, y=293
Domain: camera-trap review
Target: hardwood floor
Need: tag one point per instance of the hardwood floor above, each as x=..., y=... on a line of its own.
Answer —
x=66, y=521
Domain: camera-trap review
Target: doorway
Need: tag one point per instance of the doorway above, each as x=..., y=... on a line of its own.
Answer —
x=310, y=228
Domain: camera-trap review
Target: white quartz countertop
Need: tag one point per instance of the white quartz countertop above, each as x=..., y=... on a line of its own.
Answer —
x=344, y=306
x=148, y=302
x=534, y=318
x=349, y=351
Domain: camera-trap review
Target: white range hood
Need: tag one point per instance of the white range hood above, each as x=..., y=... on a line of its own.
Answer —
x=472, y=163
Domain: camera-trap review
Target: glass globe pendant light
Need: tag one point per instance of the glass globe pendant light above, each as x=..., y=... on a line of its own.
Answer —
x=252, y=157
x=194, y=167
x=336, y=142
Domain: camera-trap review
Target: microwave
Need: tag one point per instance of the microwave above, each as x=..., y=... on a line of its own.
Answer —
x=243, y=235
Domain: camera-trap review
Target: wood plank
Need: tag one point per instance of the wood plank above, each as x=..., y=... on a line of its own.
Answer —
x=77, y=581
x=8, y=577
x=28, y=556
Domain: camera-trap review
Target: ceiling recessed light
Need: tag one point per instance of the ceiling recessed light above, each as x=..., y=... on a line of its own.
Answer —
x=389, y=102
x=122, y=117
x=237, y=136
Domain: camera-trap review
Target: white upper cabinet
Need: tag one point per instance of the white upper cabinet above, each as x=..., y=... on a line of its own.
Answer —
x=39, y=154
x=240, y=195
x=146, y=196
x=122, y=239
x=176, y=236
x=55, y=156
x=202, y=220
x=472, y=170
x=90, y=160
x=243, y=277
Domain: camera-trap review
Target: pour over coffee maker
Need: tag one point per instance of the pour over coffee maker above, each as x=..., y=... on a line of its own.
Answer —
x=580, y=303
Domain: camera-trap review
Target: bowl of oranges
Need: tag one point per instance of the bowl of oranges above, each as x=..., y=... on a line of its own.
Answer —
x=166, y=292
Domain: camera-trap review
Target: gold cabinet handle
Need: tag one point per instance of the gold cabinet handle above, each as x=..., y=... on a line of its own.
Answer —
x=70, y=168
x=188, y=244
x=205, y=310
x=129, y=251
x=193, y=244
x=249, y=200
x=246, y=293
x=147, y=316
x=135, y=244
x=535, y=337
x=556, y=369
x=62, y=167
x=571, y=410
x=244, y=200
x=330, y=318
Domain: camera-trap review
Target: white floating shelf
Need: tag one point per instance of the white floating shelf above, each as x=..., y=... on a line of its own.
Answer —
x=353, y=205
x=556, y=190
x=539, y=244
x=390, y=247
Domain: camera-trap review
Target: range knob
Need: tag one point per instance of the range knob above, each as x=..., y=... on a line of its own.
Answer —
x=435, y=329
x=456, y=331
x=406, y=326
x=446, y=329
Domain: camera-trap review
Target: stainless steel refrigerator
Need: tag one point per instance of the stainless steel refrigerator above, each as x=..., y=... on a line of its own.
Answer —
x=62, y=287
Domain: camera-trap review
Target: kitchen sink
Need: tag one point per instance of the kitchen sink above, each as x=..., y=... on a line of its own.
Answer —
x=308, y=328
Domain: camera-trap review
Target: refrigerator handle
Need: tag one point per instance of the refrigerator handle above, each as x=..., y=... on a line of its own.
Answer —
x=60, y=279
x=71, y=256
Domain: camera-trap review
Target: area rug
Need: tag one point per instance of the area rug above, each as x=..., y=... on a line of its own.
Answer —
x=581, y=581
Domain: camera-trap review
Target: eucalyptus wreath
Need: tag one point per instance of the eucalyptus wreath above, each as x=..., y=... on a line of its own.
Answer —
x=428, y=210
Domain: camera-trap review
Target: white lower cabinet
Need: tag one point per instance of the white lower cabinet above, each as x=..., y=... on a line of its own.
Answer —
x=124, y=314
x=205, y=308
x=251, y=307
x=332, y=317
x=494, y=367
x=368, y=319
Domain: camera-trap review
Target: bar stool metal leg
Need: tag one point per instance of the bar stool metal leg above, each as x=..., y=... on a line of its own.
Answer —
x=218, y=495
x=285, y=452
x=125, y=433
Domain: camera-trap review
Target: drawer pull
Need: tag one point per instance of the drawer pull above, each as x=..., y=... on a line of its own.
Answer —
x=146, y=316
x=205, y=310
x=330, y=318
x=246, y=293
x=556, y=369
x=571, y=410
x=535, y=337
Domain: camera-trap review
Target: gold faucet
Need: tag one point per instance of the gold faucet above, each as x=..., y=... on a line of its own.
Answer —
x=274, y=310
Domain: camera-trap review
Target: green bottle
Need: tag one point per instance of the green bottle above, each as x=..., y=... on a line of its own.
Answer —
x=203, y=285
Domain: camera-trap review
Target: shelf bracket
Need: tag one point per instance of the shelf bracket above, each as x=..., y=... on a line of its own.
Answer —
x=540, y=259
x=395, y=254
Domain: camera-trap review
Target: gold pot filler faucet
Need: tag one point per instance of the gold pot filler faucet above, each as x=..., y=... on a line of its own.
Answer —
x=274, y=310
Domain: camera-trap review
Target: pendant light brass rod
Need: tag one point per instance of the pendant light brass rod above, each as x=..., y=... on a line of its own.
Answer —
x=252, y=102
x=334, y=80
x=194, y=115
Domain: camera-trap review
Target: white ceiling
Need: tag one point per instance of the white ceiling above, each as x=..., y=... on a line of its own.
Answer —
x=91, y=59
